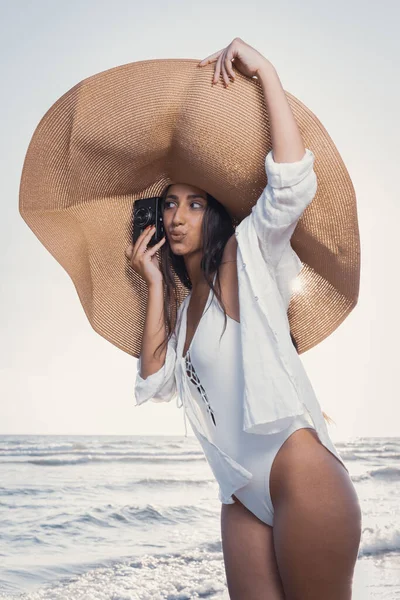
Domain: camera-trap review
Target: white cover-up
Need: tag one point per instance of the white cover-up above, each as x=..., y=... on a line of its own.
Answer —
x=267, y=266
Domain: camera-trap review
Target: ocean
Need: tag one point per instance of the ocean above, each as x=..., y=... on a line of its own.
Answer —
x=137, y=518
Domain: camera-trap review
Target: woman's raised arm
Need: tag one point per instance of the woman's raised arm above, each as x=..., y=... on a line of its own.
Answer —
x=292, y=182
x=155, y=378
x=287, y=143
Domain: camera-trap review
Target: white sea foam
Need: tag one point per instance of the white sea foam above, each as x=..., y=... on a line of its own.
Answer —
x=121, y=518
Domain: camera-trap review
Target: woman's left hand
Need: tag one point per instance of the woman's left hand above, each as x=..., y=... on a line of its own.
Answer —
x=246, y=59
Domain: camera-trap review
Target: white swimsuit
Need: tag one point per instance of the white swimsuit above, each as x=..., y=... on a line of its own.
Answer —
x=215, y=373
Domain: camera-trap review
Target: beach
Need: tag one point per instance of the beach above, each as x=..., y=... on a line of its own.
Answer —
x=137, y=518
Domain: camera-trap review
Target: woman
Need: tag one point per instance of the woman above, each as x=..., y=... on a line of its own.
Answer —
x=293, y=526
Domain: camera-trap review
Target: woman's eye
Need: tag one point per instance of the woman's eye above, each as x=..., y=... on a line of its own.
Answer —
x=171, y=202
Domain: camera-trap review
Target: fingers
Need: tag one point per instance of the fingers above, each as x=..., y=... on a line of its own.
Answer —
x=142, y=241
x=211, y=58
x=141, y=244
x=223, y=65
x=228, y=63
x=225, y=75
x=153, y=249
x=217, y=72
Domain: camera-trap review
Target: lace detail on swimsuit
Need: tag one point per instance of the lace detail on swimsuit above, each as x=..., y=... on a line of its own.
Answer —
x=196, y=381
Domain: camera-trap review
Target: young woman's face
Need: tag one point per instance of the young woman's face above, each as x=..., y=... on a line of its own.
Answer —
x=183, y=214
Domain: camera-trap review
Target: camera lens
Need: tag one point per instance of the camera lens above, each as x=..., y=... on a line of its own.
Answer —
x=143, y=216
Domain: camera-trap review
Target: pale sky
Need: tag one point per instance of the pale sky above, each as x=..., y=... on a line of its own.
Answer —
x=341, y=60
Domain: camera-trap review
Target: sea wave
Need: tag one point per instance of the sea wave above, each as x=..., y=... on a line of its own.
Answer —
x=66, y=513
x=111, y=515
x=366, y=455
x=193, y=573
x=384, y=473
x=377, y=541
x=81, y=488
x=90, y=458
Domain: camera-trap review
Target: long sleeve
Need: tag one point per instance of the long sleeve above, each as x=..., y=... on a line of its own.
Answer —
x=161, y=385
x=290, y=189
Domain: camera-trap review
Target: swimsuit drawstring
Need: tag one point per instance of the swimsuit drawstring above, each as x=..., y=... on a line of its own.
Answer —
x=184, y=412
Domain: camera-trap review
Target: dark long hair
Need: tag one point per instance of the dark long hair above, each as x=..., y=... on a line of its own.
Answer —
x=217, y=228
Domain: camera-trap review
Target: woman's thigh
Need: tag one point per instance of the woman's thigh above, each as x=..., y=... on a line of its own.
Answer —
x=317, y=520
x=249, y=556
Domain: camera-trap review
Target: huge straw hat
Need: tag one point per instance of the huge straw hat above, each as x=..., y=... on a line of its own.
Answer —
x=125, y=134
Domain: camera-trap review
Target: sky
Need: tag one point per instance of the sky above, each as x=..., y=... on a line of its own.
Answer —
x=57, y=375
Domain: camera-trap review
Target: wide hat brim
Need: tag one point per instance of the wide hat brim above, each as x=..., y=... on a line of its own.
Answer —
x=125, y=134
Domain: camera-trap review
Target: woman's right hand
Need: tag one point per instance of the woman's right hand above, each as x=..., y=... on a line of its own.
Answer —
x=244, y=57
x=142, y=259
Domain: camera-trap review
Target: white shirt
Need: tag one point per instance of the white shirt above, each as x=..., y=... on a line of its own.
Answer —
x=277, y=387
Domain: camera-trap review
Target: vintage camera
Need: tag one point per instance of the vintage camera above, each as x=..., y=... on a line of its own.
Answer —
x=148, y=211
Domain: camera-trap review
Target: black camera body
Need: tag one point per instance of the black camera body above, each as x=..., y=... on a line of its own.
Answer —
x=148, y=211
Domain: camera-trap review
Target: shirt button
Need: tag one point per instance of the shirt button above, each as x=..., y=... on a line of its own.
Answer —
x=256, y=298
x=244, y=265
x=236, y=233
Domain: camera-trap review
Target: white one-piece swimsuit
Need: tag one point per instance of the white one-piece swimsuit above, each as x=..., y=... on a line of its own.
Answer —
x=216, y=381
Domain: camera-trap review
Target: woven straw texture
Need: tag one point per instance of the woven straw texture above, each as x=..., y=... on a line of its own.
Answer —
x=126, y=133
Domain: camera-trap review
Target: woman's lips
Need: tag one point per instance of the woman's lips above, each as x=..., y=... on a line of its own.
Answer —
x=177, y=236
